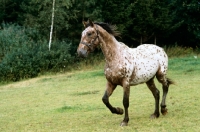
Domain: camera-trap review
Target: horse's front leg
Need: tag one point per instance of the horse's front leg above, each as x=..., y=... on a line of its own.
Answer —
x=109, y=90
x=126, y=105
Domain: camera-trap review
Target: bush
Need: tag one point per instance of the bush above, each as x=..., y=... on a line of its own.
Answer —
x=24, y=54
x=178, y=51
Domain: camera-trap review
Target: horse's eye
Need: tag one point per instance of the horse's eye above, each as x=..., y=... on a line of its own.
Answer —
x=89, y=34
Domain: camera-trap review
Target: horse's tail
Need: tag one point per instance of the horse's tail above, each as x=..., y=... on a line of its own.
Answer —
x=169, y=81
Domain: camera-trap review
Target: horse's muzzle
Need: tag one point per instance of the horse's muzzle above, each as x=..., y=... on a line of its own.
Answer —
x=82, y=53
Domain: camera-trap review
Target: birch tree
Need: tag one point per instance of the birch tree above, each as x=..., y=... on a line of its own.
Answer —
x=52, y=21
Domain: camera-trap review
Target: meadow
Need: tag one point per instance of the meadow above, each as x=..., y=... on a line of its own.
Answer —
x=71, y=101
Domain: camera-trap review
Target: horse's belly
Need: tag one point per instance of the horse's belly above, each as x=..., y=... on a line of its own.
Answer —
x=142, y=75
x=140, y=80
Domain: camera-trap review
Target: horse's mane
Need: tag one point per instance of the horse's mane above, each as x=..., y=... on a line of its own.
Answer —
x=111, y=29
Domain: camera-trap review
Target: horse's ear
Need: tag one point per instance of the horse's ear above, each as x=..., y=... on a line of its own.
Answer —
x=91, y=23
x=84, y=24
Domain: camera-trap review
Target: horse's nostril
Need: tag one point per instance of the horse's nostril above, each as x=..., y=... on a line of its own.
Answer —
x=78, y=51
x=82, y=53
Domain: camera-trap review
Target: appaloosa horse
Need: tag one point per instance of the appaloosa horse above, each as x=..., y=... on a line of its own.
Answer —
x=126, y=66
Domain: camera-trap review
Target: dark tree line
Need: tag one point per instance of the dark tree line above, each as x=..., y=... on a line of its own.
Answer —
x=140, y=21
x=25, y=29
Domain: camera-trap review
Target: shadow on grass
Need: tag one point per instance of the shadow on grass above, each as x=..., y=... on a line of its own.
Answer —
x=68, y=108
x=78, y=108
x=87, y=92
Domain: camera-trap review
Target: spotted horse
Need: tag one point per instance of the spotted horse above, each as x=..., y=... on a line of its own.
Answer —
x=126, y=66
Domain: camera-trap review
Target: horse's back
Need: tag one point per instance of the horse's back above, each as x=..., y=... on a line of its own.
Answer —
x=156, y=53
x=151, y=48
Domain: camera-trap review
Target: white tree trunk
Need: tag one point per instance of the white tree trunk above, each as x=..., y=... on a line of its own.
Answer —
x=140, y=40
x=52, y=21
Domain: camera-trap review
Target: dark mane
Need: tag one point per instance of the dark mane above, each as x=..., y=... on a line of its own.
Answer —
x=111, y=29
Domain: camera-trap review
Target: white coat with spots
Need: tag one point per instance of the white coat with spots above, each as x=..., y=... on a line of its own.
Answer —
x=137, y=65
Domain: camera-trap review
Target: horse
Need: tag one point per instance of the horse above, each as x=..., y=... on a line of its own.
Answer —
x=126, y=66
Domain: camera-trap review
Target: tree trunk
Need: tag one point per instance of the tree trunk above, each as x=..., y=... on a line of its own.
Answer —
x=83, y=10
x=140, y=40
x=52, y=21
x=155, y=40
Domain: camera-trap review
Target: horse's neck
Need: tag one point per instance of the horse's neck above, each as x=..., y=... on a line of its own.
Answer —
x=109, y=46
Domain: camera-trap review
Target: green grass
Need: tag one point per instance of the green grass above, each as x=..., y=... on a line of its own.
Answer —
x=72, y=102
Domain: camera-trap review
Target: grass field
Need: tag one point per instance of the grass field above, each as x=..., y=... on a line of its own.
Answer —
x=72, y=102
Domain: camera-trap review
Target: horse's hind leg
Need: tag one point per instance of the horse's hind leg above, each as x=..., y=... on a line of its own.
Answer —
x=109, y=90
x=165, y=85
x=156, y=94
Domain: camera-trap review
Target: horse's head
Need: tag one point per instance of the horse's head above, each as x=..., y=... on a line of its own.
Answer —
x=89, y=39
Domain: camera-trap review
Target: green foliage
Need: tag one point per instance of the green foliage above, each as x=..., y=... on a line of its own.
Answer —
x=153, y=19
x=90, y=9
x=171, y=22
x=24, y=58
x=38, y=15
x=119, y=13
x=193, y=9
x=9, y=10
x=142, y=15
x=188, y=34
x=164, y=18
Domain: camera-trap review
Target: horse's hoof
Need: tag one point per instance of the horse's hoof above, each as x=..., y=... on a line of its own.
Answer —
x=123, y=123
x=154, y=116
x=120, y=111
x=164, y=111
